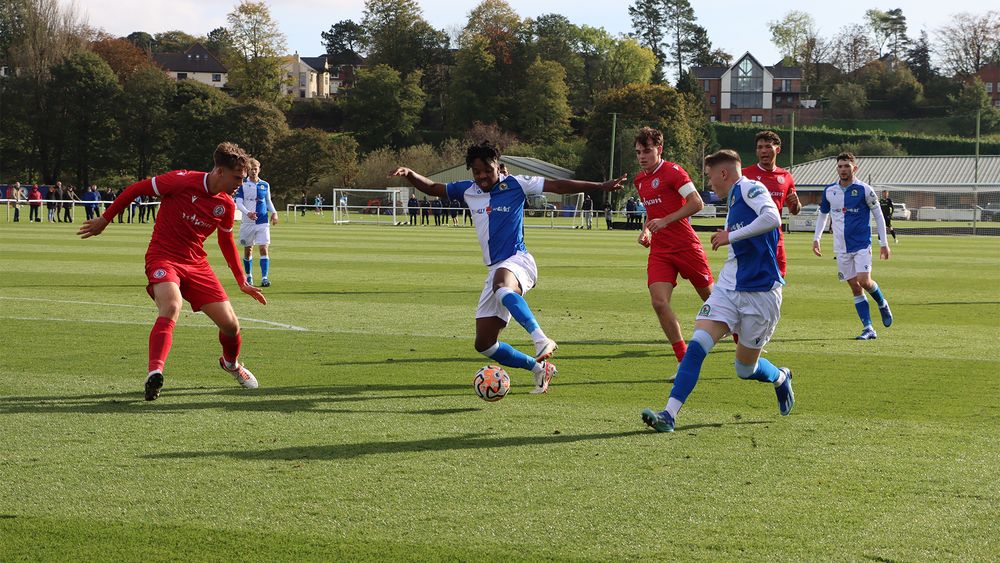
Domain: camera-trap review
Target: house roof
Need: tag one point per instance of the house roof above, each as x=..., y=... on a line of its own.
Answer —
x=316, y=63
x=777, y=71
x=933, y=171
x=708, y=71
x=516, y=165
x=782, y=71
x=195, y=59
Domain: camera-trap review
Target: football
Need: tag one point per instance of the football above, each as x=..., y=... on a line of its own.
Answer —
x=491, y=383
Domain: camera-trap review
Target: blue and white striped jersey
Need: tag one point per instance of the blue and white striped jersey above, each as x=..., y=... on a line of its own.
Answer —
x=851, y=209
x=752, y=263
x=255, y=197
x=498, y=214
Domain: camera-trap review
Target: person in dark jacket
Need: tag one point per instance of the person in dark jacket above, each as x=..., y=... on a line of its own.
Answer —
x=413, y=207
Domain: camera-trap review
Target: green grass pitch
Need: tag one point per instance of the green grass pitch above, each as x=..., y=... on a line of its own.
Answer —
x=366, y=441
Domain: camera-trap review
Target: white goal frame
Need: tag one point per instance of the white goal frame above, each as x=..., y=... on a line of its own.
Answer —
x=359, y=212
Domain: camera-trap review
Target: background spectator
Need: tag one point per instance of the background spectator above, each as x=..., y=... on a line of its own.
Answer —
x=35, y=202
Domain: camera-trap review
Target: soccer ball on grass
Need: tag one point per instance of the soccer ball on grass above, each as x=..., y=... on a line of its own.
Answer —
x=491, y=383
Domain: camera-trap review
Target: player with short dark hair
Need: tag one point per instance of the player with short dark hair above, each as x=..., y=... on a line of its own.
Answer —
x=193, y=206
x=669, y=197
x=779, y=181
x=851, y=203
x=747, y=295
x=497, y=203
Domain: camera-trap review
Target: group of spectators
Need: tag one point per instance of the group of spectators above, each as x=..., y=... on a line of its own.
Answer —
x=59, y=202
x=440, y=209
x=635, y=212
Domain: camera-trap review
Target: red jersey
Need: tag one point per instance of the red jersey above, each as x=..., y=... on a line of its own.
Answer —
x=778, y=181
x=188, y=215
x=661, y=195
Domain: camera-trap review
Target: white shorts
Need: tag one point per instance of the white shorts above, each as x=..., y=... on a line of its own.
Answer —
x=850, y=264
x=522, y=265
x=751, y=314
x=252, y=234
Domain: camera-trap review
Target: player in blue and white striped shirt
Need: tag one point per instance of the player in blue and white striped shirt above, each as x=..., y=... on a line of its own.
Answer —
x=496, y=202
x=851, y=204
x=253, y=199
x=747, y=295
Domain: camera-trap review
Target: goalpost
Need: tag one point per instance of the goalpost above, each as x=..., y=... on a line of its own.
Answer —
x=375, y=207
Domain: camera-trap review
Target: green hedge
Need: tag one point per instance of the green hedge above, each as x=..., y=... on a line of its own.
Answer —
x=740, y=137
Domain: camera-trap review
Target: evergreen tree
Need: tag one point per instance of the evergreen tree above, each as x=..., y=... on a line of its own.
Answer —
x=544, y=104
x=648, y=26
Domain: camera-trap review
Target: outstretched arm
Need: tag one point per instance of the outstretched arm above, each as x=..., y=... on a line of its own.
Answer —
x=422, y=183
x=577, y=186
x=96, y=226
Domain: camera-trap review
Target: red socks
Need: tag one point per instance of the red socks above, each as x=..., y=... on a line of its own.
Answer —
x=160, y=339
x=679, y=349
x=230, y=347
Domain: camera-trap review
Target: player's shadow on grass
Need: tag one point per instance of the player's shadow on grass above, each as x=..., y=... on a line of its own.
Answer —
x=394, y=292
x=320, y=399
x=362, y=449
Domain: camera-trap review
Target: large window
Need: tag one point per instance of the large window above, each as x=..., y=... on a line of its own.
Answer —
x=989, y=87
x=182, y=76
x=216, y=77
x=747, y=85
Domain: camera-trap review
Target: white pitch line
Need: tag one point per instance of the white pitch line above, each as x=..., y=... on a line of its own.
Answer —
x=111, y=322
x=281, y=326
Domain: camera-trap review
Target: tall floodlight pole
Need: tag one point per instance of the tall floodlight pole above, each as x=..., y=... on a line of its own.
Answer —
x=614, y=126
x=975, y=175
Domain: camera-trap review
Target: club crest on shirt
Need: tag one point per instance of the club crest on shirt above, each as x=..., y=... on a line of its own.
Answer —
x=706, y=310
x=781, y=179
x=854, y=193
x=503, y=186
x=218, y=211
x=160, y=273
x=656, y=183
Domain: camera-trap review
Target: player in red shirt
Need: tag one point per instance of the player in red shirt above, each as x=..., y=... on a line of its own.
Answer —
x=778, y=181
x=192, y=206
x=669, y=197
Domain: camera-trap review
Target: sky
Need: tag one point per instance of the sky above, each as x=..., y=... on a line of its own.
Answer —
x=731, y=26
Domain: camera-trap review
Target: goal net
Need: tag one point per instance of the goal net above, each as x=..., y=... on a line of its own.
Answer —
x=924, y=209
x=377, y=207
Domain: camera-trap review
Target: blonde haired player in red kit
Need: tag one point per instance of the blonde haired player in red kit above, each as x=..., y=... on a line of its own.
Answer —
x=669, y=196
x=193, y=205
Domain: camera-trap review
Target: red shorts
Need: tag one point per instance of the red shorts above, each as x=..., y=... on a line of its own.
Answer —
x=691, y=264
x=780, y=256
x=198, y=283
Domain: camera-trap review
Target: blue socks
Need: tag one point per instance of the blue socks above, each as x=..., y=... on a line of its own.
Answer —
x=248, y=266
x=265, y=265
x=861, y=304
x=690, y=368
x=763, y=371
x=518, y=308
x=506, y=355
x=876, y=293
